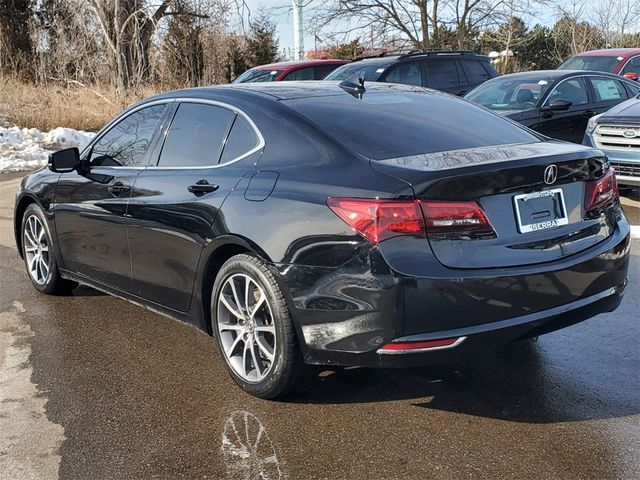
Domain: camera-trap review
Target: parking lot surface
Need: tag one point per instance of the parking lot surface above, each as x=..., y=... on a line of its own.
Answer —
x=93, y=387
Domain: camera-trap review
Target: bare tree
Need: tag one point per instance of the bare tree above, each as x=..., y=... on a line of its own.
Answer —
x=16, y=46
x=423, y=24
x=615, y=19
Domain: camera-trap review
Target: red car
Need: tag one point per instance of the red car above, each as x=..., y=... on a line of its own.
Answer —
x=623, y=61
x=298, y=70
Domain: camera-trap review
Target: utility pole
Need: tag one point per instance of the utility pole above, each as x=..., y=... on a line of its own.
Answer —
x=298, y=30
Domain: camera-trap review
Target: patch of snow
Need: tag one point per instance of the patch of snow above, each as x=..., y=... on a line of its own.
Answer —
x=635, y=231
x=29, y=148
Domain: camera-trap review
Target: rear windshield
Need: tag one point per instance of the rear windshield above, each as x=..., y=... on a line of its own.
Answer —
x=597, y=63
x=401, y=124
x=257, y=75
x=368, y=71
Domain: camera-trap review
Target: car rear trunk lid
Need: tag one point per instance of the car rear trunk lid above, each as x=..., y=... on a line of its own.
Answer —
x=532, y=194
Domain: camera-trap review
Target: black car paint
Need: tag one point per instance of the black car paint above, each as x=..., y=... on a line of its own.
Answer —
x=347, y=296
x=571, y=124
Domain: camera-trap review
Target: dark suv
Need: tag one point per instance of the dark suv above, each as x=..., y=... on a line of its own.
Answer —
x=456, y=72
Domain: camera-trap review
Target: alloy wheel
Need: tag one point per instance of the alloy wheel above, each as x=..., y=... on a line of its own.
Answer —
x=246, y=328
x=36, y=249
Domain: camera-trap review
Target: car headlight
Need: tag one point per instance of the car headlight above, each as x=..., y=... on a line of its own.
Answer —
x=593, y=123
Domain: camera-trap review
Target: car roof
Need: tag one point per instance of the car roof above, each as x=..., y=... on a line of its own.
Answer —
x=279, y=90
x=387, y=59
x=300, y=63
x=609, y=52
x=556, y=74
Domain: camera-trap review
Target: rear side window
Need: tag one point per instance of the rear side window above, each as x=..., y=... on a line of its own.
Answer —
x=402, y=123
x=442, y=74
x=301, y=74
x=240, y=141
x=324, y=70
x=127, y=142
x=475, y=71
x=406, y=73
x=608, y=89
x=196, y=135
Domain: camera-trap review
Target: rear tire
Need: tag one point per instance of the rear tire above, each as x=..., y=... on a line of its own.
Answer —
x=253, y=329
x=38, y=254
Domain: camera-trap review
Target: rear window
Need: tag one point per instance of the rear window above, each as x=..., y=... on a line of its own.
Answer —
x=401, y=124
x=368, y=71
x=258, y=75
x=598, y=63
x=475, y=71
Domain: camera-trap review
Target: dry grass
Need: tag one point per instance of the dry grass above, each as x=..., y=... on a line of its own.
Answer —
x=75, y=106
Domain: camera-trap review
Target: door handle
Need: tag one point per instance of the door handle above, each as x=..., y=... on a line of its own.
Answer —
x=118, y=188
x=201, y=187
x=589, y=113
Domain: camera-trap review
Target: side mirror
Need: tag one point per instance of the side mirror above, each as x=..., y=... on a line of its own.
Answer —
x=631, y=76
x=64, y=161
x=558, y=105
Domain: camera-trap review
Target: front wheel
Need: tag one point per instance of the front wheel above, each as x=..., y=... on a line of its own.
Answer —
x=253, y=328
x=37, y=251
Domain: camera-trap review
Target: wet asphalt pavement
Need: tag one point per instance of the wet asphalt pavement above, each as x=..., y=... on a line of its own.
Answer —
x=127, y=393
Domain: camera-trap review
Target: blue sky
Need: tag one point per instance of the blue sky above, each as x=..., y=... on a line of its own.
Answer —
x=280, y=10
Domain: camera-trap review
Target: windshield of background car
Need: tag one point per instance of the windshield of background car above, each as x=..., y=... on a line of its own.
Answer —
x=401, y=124
x=258, y=75
x=510, y=93
x=597, y=63
x=370, y=72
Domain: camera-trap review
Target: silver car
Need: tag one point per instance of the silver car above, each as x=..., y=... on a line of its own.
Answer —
x=617, y=133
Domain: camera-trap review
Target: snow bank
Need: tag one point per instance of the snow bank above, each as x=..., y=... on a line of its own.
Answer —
x=28, y=148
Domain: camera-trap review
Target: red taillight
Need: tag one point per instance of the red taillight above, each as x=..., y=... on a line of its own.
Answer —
x=602, y=191
x=377, y=220
x=460, y=218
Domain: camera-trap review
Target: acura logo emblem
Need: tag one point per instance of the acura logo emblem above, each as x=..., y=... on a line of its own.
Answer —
x=629, y=134
x=550, y=174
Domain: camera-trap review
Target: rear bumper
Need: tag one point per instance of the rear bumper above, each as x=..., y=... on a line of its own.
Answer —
x=505, y=331
x=345, y=315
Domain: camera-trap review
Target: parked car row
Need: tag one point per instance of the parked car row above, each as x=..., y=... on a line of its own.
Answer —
x=557, y=103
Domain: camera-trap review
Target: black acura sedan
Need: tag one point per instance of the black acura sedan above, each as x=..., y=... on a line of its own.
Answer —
x=556, y=103
x=317, y=223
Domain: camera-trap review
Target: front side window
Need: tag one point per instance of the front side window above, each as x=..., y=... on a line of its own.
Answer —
x=632, y=66
x=574, y=90
x=127, y=142
x=405, y=73
x=196, y=135
x=442, y=74
x=608, y=89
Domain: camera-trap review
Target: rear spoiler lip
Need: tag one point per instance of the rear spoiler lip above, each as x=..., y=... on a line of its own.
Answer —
x=464, y=158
